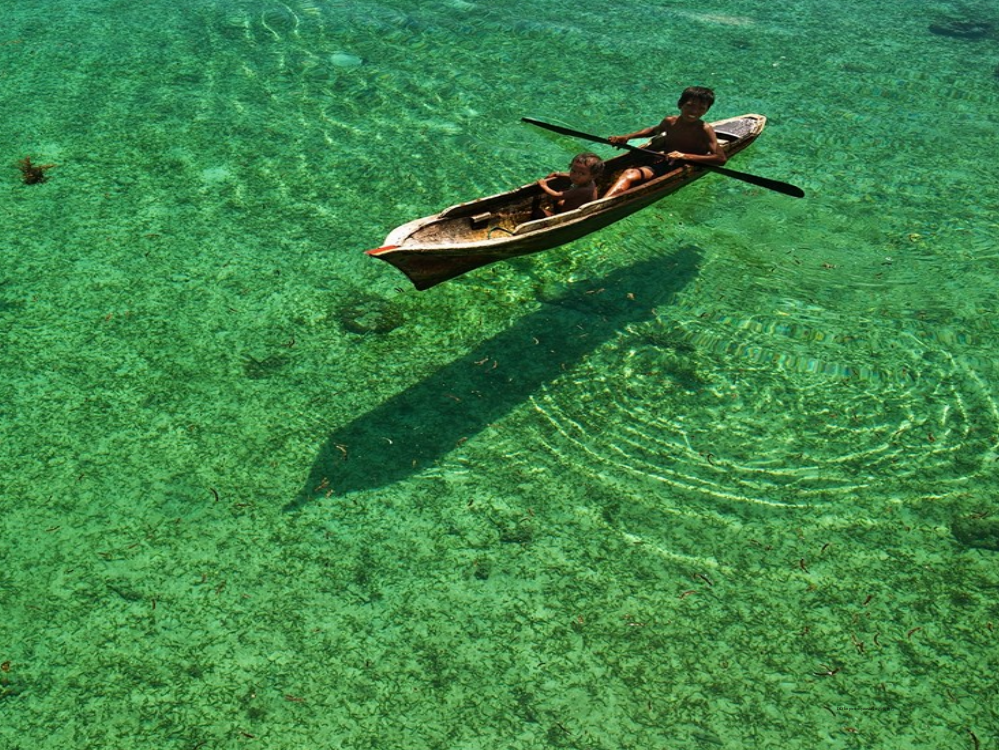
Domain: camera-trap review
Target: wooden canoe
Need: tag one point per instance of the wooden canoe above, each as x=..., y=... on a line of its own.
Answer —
x=470, y=235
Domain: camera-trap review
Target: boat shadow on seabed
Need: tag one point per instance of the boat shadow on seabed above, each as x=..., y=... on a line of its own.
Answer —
x=415, y=428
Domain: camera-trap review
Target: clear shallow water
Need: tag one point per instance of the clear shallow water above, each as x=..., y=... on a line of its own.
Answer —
x=689, y=482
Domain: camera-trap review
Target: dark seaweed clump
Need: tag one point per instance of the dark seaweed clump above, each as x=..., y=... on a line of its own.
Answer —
x=32, y=174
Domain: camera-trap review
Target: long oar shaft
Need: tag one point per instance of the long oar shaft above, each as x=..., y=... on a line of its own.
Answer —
x=781, y=187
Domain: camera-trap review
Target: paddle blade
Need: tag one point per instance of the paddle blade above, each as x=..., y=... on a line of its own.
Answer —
x=754, y=179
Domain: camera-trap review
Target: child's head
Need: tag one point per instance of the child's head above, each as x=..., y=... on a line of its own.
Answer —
x=585, y=167
x=698, y=94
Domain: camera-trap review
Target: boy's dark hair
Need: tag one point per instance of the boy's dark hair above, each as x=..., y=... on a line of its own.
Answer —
x=698, y=93
x=591, y=161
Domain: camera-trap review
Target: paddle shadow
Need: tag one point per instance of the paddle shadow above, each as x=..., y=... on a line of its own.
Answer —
x=415, y=428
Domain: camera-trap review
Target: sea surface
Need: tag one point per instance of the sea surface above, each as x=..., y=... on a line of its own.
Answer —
x=722, y=475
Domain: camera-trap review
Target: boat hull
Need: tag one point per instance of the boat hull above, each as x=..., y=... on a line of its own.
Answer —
x=470, y=235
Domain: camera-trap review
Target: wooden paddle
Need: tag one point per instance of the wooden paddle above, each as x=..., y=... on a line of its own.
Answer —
x=764, y=182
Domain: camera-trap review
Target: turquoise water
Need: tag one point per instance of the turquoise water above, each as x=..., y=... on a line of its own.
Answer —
x=722, y=475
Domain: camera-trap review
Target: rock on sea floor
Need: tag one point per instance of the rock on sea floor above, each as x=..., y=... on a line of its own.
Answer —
x=345, y=60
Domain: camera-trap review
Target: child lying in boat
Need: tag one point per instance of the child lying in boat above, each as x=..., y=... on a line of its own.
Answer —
x=583, y=173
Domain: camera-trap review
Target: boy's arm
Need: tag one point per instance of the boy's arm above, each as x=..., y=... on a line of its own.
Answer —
x=619, y=140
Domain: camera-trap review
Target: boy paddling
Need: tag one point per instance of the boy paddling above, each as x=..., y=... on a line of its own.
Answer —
x=684, y=136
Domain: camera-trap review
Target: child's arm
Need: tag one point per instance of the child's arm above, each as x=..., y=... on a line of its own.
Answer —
x=543, y=183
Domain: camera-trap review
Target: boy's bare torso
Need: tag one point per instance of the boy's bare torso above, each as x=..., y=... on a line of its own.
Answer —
x=691, y=138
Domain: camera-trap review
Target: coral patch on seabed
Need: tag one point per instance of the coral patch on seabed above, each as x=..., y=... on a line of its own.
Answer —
x=369, y=315
x=980, y=533
x=962, y=29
